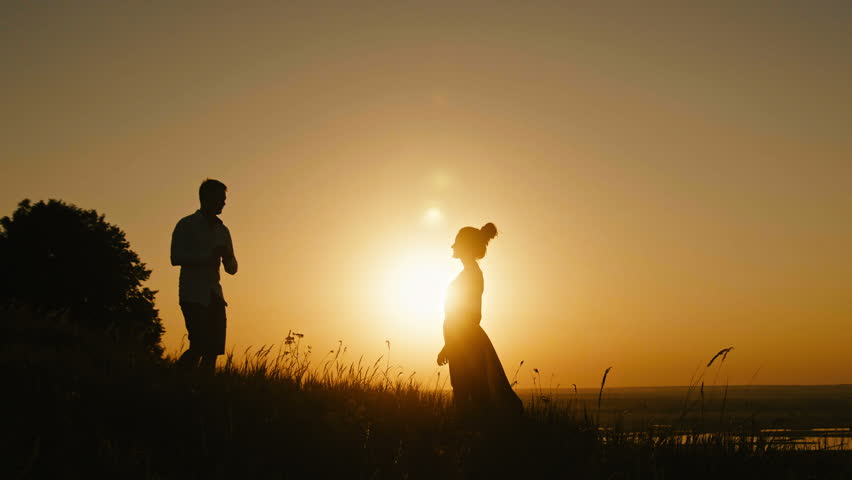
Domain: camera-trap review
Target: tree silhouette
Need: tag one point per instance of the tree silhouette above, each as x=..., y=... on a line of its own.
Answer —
x=56, y=256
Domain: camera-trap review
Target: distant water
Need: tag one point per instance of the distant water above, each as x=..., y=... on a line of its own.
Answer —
x=825, y=410
x=781, y=416
x=839, y=438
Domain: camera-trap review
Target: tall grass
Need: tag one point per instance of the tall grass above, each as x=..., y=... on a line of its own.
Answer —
x=292, y=363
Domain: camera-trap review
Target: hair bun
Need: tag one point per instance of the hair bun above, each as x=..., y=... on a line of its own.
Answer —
x=489, y=231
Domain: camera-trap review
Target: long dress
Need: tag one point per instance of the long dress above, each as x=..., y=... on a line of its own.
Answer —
x=476, y=374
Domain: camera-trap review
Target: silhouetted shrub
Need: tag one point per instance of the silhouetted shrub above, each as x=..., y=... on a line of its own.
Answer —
x=56, y=257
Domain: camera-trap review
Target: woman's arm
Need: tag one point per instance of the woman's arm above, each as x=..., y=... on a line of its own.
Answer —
x=475, y=288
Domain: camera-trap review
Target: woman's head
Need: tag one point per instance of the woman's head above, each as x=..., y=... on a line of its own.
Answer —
x=471, y=242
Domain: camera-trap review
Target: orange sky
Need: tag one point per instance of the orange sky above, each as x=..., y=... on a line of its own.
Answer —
x=666, y=182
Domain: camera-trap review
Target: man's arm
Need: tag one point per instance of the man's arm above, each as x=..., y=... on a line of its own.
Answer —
x=229, y=261
x=183, y=252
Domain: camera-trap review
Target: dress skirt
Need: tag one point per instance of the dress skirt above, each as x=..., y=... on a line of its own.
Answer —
x=477, y=376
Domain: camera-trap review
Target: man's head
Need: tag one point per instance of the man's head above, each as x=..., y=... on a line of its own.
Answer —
x=212, y=196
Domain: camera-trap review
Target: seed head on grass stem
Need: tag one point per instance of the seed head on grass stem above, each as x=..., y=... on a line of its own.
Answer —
x=515, y=377
x=723, y=353
x=603, y=382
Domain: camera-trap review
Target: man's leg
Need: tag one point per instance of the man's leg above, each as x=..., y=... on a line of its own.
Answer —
x=216, y=323
x=192, y=316
x=208, y=363
x=189, y=358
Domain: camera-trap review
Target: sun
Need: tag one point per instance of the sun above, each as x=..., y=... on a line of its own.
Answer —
x=417, y=283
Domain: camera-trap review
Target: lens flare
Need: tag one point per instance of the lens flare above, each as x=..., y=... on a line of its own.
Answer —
x=433, y=216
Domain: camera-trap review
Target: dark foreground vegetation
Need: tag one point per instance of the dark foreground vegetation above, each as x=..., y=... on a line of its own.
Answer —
x=78, y=406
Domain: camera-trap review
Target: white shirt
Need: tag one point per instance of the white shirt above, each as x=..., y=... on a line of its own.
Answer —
x=193, y=240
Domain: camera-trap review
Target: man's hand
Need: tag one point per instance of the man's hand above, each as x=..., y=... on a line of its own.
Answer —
x=224, y=253
x=221, y=251
x=442, y=357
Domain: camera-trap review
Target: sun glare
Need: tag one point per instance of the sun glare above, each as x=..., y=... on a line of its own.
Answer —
x=417, y=285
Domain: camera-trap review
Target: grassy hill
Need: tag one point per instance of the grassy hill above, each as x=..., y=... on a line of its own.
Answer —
x=80, y=405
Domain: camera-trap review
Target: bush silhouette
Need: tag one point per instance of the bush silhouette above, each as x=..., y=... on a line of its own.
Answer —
x=57, y=257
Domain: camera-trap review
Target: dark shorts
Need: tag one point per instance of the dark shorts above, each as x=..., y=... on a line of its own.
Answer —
x=206, y=326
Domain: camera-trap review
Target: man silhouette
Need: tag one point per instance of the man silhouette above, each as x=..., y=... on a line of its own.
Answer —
x=200, y=242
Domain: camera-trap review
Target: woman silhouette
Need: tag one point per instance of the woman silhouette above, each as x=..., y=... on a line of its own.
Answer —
x=476, y=374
